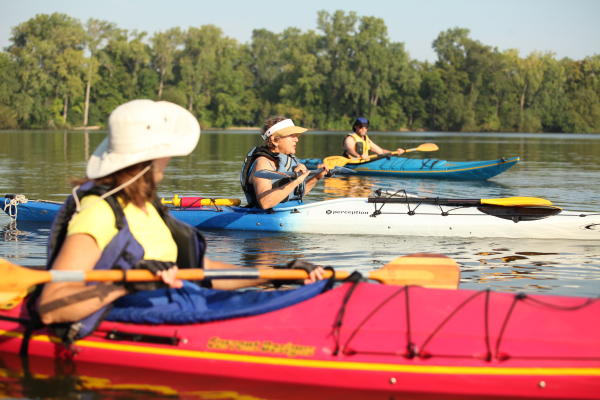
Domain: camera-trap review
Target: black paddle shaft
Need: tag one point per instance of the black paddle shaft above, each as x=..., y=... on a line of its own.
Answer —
x=427, y=200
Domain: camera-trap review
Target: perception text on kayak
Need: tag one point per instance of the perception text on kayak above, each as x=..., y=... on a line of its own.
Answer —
x=347, y=212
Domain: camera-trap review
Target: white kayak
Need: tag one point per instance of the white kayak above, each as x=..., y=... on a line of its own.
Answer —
x=382, y=215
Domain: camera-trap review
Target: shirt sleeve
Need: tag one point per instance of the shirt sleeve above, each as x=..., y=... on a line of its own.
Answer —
x=96, y=219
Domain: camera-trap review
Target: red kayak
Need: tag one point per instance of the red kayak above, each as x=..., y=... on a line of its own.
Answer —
x=369, y=338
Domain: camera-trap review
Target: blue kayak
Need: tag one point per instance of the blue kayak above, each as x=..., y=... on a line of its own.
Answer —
x=402, y=167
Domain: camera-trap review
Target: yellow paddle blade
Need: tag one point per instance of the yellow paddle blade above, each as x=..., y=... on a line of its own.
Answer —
x=10, y=300
x=517, y=201
x=17, y=279
x=428, y=270
x=335, y=161
x=424, y=147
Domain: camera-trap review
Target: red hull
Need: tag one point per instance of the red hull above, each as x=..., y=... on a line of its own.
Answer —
x=422, y=342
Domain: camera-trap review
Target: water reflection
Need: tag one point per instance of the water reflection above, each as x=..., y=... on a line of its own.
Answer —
x=363, y=186
x=38, y=378
x=10, y=233
x=554, y=266
x=24, y=242
x=564, y=267
x=349, y=186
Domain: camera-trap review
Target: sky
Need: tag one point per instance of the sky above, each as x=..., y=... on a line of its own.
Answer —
x=567, y=28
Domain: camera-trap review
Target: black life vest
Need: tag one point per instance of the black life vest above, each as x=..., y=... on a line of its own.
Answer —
x=283, y=162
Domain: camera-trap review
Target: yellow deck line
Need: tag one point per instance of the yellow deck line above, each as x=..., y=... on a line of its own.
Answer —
x=322, y=364
x=432, y=171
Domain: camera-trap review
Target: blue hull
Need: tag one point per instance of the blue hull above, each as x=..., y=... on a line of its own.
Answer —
x=237, y=218
x=427, y=168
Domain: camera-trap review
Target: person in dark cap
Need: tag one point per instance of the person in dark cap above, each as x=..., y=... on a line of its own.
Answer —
x=358, y=144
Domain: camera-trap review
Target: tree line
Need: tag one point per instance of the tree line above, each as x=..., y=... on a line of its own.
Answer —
x=59, y=72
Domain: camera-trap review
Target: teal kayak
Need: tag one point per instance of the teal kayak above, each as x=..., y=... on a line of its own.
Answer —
x=402, y=167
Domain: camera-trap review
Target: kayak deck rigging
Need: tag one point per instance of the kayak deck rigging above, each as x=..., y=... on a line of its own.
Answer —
x=494, y=351
x=412, y=202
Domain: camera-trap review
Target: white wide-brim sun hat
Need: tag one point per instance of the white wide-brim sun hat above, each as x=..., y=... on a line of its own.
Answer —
x=143, y=130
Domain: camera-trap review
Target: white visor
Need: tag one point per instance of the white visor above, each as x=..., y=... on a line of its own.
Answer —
x=283, y=128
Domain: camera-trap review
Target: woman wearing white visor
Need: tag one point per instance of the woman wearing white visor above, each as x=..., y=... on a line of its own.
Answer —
x=277, y=154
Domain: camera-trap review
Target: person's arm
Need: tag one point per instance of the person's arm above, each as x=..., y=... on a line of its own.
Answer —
x=79, y=252
x=377, y=149
x=267, y=195
x=380, y=150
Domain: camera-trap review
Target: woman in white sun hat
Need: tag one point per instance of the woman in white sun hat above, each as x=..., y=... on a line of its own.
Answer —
x=114, y=220
x=277, y=154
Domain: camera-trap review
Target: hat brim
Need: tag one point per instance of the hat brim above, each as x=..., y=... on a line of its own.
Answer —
x=181, y=141
x=104, y=162
x=290, y=130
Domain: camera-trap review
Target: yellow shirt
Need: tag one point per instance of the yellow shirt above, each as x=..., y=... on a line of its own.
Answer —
x=97, y=219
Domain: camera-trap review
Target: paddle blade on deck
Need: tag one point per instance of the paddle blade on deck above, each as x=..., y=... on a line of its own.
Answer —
x=501, y=201
x=517, y=201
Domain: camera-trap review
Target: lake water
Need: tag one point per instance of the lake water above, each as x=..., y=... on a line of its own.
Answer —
x=563, y=168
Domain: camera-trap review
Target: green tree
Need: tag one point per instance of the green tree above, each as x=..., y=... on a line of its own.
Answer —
x=266, y=61
x=337, y=57
x=582, y=92
x=434, y=93
x=124, y=70
x=9, y=85
x=98, y=34
x=165, y=46
x=301, y=80
x=215, y=77
x=48, y=51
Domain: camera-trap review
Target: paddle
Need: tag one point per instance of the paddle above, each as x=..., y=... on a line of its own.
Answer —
x=429, y=270
x=505, y=202
x=192, y=201
x=340, y=161
x=264, y=173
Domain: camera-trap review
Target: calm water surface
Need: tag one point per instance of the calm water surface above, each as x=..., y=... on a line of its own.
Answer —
x=562, y=168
